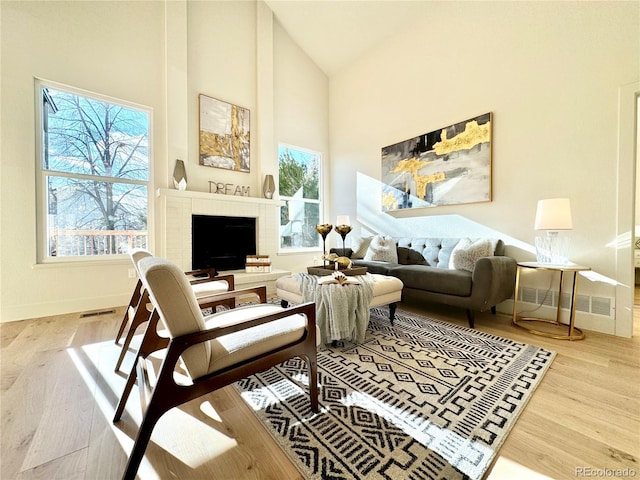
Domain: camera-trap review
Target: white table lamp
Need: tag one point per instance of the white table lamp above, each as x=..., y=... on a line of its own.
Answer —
x=343, y=220
x=552, y=215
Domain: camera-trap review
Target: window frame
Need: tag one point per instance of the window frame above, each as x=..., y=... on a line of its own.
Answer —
x=42, y=253
x=320, y=201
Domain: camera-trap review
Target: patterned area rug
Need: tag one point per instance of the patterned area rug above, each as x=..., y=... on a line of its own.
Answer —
x=420, y=399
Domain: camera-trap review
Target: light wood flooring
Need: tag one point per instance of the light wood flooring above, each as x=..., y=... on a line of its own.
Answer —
x=59, y=393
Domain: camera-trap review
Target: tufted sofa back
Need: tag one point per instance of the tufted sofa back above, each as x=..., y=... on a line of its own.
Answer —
x=437, y=251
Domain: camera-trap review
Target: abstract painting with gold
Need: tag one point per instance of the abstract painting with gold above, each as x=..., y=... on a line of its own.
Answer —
x=448, y=166
x=224, y=135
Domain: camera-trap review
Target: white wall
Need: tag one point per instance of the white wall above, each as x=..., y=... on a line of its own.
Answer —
x=301, y=105
x=113, y=48
x=549, y=72
x=222, y=64
x=157, y=54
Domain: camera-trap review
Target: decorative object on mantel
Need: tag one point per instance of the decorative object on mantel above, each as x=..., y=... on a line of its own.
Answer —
x=553, y=214
x=343, y=228
x=422, y=171
x=324, y=229
x=224, y=135
x=269, y=186
x=179, y=176
x=258, y=264
x=228, y=189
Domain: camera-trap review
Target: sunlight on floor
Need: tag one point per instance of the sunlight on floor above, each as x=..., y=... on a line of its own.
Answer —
x=272, y=394
x=172, y=428
x=176, y=425
x=505, y=469
x=467, y=456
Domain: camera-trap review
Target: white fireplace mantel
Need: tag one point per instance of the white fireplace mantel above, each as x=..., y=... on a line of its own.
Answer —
x=178, y=206
x=169, y=192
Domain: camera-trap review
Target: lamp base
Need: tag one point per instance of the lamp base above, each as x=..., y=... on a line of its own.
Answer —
x=552, y=249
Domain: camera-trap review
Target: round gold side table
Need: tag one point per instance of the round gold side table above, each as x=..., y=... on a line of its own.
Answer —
x=528, y=323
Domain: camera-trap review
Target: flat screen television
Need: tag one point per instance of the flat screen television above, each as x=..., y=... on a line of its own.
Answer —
x=222, y=242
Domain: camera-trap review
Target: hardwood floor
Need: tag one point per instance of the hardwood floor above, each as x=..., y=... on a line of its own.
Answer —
x=59, y=393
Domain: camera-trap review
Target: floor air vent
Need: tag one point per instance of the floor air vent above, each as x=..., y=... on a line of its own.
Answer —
x=95, y=314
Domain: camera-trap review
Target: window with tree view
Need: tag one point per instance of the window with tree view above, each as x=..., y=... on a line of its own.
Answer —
x=299, y=183
x=94, y=174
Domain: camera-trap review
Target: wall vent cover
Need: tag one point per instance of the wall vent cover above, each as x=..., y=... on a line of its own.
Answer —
x=584, y=303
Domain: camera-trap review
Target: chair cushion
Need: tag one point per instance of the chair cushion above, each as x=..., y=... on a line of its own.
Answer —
x=178, y=308
x=252, y=342
x=138, y=254
x=205, y=289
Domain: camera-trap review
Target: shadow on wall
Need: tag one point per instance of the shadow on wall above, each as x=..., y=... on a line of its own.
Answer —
x=372, y=220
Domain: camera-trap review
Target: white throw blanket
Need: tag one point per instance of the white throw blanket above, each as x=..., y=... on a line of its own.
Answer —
x=342, y=311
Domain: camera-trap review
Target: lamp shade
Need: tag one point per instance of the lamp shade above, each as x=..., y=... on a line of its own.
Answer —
x=343, y=220
x=553, y=214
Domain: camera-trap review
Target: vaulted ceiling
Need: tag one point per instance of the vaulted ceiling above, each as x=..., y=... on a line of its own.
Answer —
x=335, y=33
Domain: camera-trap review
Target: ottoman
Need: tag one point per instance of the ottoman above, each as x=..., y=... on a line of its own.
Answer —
x=386, y=291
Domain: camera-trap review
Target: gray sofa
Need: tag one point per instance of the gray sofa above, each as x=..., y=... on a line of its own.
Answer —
x=423, y=267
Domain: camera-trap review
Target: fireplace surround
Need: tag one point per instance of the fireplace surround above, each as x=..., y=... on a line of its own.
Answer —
x=178, y=207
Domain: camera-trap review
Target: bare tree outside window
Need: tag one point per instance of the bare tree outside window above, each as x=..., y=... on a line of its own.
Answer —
x=95, y=172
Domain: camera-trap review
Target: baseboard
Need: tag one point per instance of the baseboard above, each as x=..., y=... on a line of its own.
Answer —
x=47, y=309
x=585, y=321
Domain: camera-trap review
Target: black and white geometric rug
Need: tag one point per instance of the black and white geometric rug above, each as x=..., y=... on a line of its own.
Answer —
x=421, y=399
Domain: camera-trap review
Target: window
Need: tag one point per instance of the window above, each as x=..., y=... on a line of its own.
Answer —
x=300, y=187
x=93, y=174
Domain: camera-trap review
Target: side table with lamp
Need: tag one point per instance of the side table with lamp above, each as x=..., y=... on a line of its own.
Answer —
x=552, y=253
x=559, y=330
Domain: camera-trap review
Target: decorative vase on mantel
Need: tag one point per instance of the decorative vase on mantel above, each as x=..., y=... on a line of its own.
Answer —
x=269, y=187
x=180, y=176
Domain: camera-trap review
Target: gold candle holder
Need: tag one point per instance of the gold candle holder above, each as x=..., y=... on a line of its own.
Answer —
x=343, y=230
x=324, y=229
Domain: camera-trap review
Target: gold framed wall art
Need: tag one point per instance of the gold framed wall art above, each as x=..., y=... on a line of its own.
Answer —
x=224, y=135
x=449, y=166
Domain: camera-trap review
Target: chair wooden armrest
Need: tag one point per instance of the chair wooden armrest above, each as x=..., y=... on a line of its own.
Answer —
x=204, y=273
x=181, y=343
x=223, y=297
x=230, y=279
x=174, y=394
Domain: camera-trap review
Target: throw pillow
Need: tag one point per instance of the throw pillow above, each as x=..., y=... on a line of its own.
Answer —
x=467, y=252
x=360, y=247
x=382, y=249
x=407, y=256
